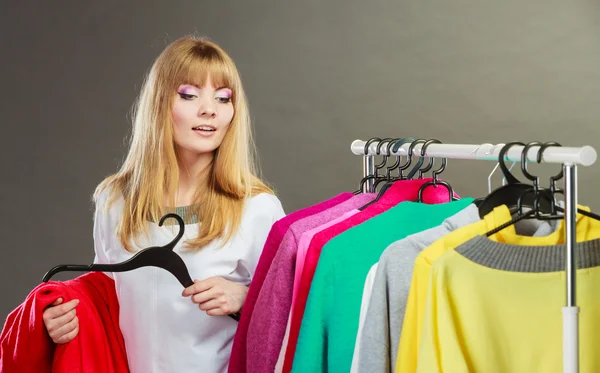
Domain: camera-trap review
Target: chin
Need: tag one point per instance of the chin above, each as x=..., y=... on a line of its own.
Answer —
x=197, y=150
x=203, y=150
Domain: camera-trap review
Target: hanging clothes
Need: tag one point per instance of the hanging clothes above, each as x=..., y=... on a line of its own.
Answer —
x=388, y=303
x=269, y=319
x=237, y=359
x=410, y=337
x=25, y=345
x=515, y=298
x=330, y=323
x=348, y=289
x=303, y=246
x=383, y=321
x=405, y=190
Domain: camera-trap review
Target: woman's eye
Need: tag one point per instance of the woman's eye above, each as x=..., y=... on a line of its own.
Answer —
x=224, y=100
x=186, y=96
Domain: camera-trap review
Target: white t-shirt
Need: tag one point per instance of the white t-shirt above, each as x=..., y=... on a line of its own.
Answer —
x=165, y=332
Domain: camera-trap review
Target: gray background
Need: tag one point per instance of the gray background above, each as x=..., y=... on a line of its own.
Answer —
x=318, y=75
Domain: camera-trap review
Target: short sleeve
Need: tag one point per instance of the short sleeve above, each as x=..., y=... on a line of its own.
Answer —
x=99, y=232
x=262, y=211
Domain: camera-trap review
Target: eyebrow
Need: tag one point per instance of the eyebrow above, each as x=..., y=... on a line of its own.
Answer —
x=216, y=89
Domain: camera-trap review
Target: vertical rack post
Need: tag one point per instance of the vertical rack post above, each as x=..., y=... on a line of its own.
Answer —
x=368, y=169
x=571, y=311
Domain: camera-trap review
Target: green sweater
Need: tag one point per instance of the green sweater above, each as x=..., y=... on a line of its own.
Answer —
x=330, y=322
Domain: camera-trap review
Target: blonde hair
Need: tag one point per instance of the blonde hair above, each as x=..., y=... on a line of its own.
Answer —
x=150, y=171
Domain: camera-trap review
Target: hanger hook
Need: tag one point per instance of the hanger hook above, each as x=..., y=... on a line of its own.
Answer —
x=423, y=154
x=505, y=171
x=385, y=156
x=540, y=157
x=410, y=154
x=389, y=152
x=439, y=171
x=535, y=179
x=487, y=153
x=396, y=147
x=553, y=179
x=369, y=142
x=490, y=151
x=171, y=245
x=388, y=173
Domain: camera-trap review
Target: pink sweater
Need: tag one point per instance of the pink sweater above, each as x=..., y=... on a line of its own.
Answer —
x=270, y=316
x=237, y=361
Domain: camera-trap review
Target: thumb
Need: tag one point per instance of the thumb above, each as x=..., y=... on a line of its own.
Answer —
x=57, y=302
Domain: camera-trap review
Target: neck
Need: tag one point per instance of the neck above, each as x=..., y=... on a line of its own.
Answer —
x=193, y=170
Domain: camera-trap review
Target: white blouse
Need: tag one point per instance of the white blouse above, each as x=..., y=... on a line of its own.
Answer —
x=165, y=332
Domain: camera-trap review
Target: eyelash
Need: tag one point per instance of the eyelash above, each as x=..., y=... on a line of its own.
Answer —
x=223, y=100
x=185, y=96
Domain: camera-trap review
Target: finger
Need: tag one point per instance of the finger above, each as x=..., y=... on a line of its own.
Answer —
x=215, y=312
x=58, y=311
x=59, y=322
x=198, y=287
x=209, y=305
x=207, y=295
x=66, y=328
x=57, y=302
x=69, y=336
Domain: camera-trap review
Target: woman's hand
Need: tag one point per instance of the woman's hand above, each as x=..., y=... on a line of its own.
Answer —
x=61, y=321
x=217, y=296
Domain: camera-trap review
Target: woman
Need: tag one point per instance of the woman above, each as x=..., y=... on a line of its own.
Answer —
x=191, y=149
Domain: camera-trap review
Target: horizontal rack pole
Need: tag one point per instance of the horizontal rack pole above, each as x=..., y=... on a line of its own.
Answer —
x=584, y=155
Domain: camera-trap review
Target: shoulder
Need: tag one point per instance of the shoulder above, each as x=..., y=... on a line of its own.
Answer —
x=108, y=202
x=263, y=203
x=263, y=207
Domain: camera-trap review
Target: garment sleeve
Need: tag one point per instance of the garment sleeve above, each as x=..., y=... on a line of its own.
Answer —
x=311, y=349
x=408, y=348
x=441, y=346
x=374, y=348
x=364, y=305
x=427, y=360
x=99, y=233
x=266, y=209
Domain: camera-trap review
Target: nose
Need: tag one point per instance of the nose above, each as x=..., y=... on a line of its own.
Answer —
x=207, y=108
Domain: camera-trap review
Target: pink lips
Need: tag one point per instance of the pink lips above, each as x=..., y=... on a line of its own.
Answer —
x=204, y=133
x=205, y=125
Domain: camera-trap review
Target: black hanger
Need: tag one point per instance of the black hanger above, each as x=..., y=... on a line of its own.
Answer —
x=410, y=152
x=380, y=166
x=397, y=143
x=510, y=193
x=538, y=193
x=388, y=172
x=555, y=190
x=435, y=174
x=412, y=172
x=155, y=256
x=368, y=177
x=427, y=168
x=404, y=167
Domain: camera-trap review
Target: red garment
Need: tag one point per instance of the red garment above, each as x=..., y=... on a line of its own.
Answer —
x=237, y=360
x=400, y=191
x=26, y=347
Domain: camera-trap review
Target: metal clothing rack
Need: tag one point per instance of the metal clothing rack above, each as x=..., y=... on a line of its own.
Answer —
x=569, y=157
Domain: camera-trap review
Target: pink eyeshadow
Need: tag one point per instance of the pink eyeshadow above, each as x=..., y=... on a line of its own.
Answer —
x=187, y=91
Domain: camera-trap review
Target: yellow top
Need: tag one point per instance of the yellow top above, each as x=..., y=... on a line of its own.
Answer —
x=413, y=319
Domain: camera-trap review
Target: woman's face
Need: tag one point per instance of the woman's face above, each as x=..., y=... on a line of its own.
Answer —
x=201, y=117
